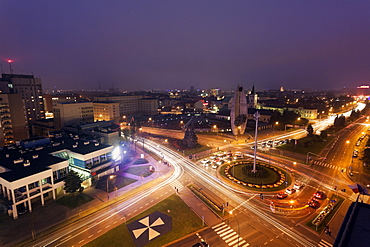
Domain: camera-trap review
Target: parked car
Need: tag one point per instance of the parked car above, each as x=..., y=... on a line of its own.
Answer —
x=281, y=195
x=21, y=209
x=319, y=195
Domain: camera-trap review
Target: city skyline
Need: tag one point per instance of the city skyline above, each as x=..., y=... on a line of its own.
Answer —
x=146, y=45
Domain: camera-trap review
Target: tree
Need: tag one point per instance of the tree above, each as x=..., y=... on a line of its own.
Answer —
x=310, y=130
x=190, y=138
x=72, y=183
x=366, y=156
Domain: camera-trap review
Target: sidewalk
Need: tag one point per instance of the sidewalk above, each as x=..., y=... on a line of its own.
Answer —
x=198, y=207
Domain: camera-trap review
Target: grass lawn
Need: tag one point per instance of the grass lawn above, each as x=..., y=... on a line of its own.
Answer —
x=139, y=171
x=179, y=212
x=304, y=146
x=271, y=177
x=321, y=227
x=117, y=181
x=74, y=200
x=195, y=150
x=140, y=161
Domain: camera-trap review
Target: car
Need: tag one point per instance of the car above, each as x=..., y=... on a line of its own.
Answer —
x=220, y=162
x=319, y=195
x=205, y=161
x=290, y=190
x=281, y=195
x=21, y=209
x=214, y=166
x=201, y=244
x=298, y=186
x=207, y=164
x=313, y=204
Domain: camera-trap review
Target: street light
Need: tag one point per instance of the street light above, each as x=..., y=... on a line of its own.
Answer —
x=110, y=177
x=215, y=127
x=273, y=132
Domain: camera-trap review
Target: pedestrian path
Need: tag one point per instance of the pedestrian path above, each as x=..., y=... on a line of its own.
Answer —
x=324, y=243
x=177, y=185
x=324, y=164
x=230, y=237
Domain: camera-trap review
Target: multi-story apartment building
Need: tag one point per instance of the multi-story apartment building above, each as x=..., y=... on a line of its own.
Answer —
x=73, y=113
x=13, y=123
x=30, y=88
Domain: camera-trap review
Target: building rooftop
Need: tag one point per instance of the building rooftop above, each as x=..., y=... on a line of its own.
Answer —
x=34, y=155
x=355, y=226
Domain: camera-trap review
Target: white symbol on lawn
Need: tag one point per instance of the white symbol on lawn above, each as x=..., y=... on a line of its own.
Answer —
x=145, y=222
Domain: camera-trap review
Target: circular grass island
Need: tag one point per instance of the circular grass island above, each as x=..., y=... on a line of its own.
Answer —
x=265, y=177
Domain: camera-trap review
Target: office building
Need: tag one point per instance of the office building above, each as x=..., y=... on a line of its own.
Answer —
x=106, y=111
x=73, y=114
x=35, y=171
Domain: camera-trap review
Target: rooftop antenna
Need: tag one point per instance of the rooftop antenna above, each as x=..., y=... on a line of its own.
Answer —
x=10, y=66
x=2, y=70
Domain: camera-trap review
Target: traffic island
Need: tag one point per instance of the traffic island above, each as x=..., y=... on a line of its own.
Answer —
x=322, y=218
x=266, y=177
x=213, y=206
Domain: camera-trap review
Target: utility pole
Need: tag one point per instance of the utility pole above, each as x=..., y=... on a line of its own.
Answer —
x=256, y=117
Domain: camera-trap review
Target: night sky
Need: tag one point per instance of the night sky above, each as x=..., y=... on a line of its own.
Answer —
x=142, y=45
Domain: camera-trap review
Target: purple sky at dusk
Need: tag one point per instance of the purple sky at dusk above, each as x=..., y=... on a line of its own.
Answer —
x=176, y=44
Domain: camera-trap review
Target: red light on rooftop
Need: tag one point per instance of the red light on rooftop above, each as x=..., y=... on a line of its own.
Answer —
x=9, y=60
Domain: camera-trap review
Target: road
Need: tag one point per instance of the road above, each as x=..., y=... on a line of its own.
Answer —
x=252, y=222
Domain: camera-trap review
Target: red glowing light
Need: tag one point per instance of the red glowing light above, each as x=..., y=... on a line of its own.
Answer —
x=9, y=60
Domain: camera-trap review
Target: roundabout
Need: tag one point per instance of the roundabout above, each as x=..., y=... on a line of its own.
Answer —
x=265, y=177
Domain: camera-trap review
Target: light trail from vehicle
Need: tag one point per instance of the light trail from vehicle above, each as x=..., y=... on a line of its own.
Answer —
x=225, y=190
x=75, y=231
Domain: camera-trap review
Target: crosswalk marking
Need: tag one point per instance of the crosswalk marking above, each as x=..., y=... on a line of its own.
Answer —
x=231, y=239
x=177, y=185
x=324, y=164
x=229, y=235
x=324, y=243
x=227, y=232
x=223, y=230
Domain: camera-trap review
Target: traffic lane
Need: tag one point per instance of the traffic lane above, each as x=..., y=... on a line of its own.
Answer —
x=257, y=232
x=85, y=231
x=208, y=235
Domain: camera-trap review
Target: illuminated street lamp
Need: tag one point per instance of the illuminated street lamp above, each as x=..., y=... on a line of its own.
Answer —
x=110, y=177
x=273, y=132
x=215, y=127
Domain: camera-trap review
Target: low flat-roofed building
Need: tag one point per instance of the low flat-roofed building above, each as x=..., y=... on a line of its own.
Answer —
x=35, y=170
x=355, y=226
